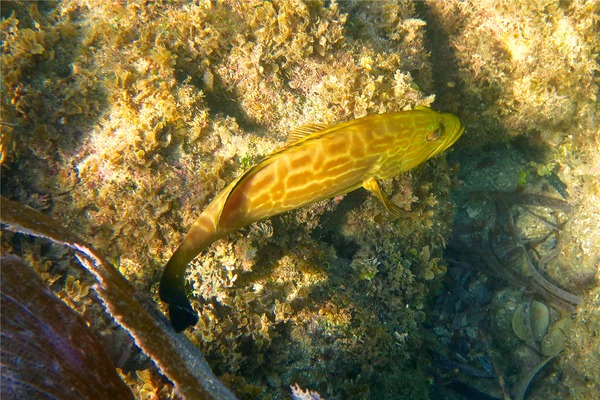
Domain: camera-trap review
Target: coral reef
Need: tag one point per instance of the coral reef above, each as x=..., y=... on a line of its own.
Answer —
x=169, y=102
x=123, y=119
x=524, y=76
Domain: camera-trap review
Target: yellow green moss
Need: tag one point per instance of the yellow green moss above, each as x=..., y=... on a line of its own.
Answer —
x=124, y=119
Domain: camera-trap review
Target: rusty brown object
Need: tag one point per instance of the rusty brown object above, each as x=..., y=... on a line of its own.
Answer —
x=48, y=351
x=174, y=354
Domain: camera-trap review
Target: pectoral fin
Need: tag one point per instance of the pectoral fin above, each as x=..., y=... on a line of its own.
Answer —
x=372, y=186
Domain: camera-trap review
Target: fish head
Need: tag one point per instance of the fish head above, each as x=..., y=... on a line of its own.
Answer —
x=432, y=133
x=443, y=133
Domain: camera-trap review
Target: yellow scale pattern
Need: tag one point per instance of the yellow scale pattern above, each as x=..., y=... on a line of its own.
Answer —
x=327, y=162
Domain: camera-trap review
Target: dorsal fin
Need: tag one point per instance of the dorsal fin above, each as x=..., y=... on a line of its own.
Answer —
x=305, y=130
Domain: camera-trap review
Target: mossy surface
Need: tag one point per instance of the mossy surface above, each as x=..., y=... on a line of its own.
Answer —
x=123, y=120
x=524, y=77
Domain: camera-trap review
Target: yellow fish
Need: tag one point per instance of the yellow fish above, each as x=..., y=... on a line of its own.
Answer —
x=320, y=162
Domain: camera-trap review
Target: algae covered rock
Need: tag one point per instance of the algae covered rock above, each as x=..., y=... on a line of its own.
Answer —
x=149, y=110
x=124, y=119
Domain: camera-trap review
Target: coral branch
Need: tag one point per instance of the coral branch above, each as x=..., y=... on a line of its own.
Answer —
x=176, y=356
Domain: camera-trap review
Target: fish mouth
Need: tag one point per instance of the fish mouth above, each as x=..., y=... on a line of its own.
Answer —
x=460, y=129
x=455, y=127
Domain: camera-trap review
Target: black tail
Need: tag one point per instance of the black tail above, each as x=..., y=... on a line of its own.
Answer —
x=182, y=315
x=172, y=291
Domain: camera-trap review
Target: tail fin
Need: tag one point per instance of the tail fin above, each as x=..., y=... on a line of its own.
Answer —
x=172, y=283
x=172, y=291
x=182, y=315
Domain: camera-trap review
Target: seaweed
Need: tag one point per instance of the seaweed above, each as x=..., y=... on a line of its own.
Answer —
x=498, y=264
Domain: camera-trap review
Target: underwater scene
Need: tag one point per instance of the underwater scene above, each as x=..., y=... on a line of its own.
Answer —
x=300, y=199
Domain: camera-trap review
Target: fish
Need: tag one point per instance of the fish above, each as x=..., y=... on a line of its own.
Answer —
x=319, y=162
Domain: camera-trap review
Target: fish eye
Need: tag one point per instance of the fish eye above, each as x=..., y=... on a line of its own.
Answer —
x=434, y=134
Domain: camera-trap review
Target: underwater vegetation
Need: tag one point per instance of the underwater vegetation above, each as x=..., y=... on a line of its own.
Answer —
x=505, y=320
x=123, y=120
x=502, y=296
